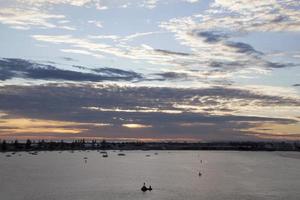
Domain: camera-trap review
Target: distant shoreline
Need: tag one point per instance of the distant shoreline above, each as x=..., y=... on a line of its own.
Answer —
x=104, y=145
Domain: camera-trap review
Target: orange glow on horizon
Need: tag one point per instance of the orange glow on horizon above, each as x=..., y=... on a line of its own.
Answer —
x=136, y=126
x=19, y=126
x=277, y=131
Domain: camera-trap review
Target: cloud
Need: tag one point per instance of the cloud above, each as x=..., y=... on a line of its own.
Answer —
x=217, y=48
x=110, y=37
x=47, y=2
x=135, y=126
x=83, y=52
x=69, y=59
x=123, y=39
x=97, y=4
x=224, y=113
x=19, y=68
x=168, y=52
x=27, y=18
x=149, y=3
x=137, y=35
x=171, y=76
x=191, y=1
x=96, y=23
x=211, y=36
x=97, y=49
x=83, y=46
x=208, y=50
x=246, y=15
x=243, y=48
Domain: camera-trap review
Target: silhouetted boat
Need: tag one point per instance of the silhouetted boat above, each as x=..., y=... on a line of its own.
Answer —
x=104, y=155
x=144, y=188
x=121, y=154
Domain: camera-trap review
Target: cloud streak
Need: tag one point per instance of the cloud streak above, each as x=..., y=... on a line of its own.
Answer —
x=19, y=68
x=25, y=19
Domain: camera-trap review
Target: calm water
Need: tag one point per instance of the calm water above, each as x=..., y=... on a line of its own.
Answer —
x=173, y=175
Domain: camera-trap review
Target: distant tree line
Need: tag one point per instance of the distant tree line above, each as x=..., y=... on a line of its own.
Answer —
x=81, y=144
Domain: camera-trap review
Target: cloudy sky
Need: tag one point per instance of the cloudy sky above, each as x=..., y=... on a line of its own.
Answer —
x=150, y=69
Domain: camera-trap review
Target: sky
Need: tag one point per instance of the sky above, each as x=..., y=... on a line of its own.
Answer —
x=150, y=70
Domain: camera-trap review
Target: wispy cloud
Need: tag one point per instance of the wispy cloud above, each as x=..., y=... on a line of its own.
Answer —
x=96, y=23
x=246, y=15
x=25, y=19
x=142, y=52
x=47, y=2
x=213, y=44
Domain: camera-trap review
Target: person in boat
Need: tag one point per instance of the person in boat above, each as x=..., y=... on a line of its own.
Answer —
x=200, y=174
x=150, y=188
x=144, y=188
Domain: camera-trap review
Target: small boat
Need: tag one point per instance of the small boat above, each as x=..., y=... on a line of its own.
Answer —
x=104, y=155
x=147, y=155
x=144, y=188
x=121, y=154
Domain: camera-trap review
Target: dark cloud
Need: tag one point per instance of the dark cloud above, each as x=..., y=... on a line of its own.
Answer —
x=11, y=68
x=171, y=76
x=242, y=47
x=168, y=52
x=113, y=72
x=278, y=65
x=216, y=36
x=70, y=103
x=211, y=36
x=225, y=65
x=68, y=59
x=280, y=19
x=250, y=55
